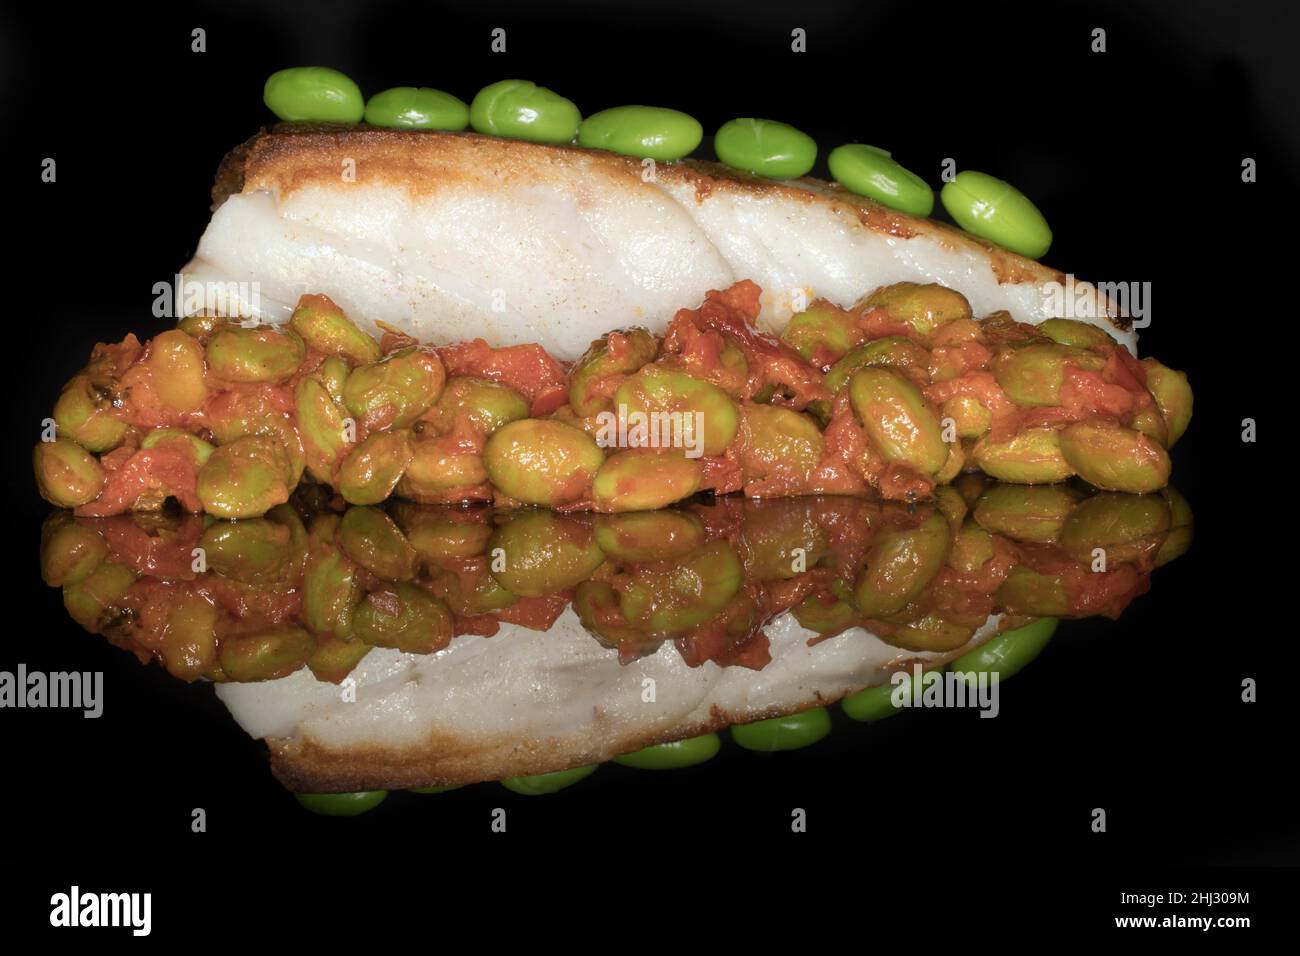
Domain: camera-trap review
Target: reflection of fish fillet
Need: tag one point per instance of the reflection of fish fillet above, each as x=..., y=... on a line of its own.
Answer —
x=453, y=236
x=524, y=702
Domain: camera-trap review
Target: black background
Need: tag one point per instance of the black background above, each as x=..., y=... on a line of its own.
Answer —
x=1133, y=155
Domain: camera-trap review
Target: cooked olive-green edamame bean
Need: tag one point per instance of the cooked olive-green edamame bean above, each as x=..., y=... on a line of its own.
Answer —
x=251, y=551
x=396, y=390
x=487, y=404
x=1007, y=653
x=825, y=614
x=84, y=413
x=649, y=535
x=617, y=354
x=314, y=94
x=325, y=327
x=263, y=353
x=1114, y=458
x=543, y=783
x=436, y=472
x=520, y=109
x=189, y=642
x=670, y=599
x=871, y=171
x=372, y=470
x=1179, y=537
x=644, y=131
x=876, y=703
x=930, y=632
x=542, y=462
x=898, y=420
x=899, y=564
x=372, y=539
x=1030, y=457
x=892, y=351
x=822, y=333
x=673, y=755
x=923, y=307
x=1123, y=526
x=201, y=450
x=417, y=107
x=700, y=403
x=173, y=366
x=245, y=479
x=330, y=591
x=1173, y=397
x=266, y=655
x=1026, y=513
x=1073, y=332
x=994, y=210
x=765, y=148
x=1032, y=375
x=644, y=479
x=95, y=598
x=790, y=732
x=403, y=617
x=341, y=804
x=66, y=474
x=775, y=439
x=1026, y=591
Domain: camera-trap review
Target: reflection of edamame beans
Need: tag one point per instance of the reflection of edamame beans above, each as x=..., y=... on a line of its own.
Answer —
x=673, y=597
x=645, y=131
x=991, y=209
x=543, y=553
x=412, y=107
x=673, y=755
x=1025, y=513
x=341, y=804
x=313, y=93
x=69, y=551
x=790, y=732
x=1009, y=652
x=523, y=110
x=250, y=551
x=189, y=642
x=330, y=591
x=649, y=535
x=871, y=171
x=765, y=148
x=404, y=617
x=96, y=597
x=900, y=564
x=542, y=462
x=1124, y=526
x=544, y=783
x=372, y=539
x=66, y=474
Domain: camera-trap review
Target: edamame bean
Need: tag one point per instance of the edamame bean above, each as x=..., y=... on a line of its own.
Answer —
x=245, y=479
x=404, y=617
x=899, y=564
x=97, y=597
x=1031, y=457
x=330, y=593
x=822, y=333
x=877, y=703
x=921, y=307
x=417, y=107
x=1025, y=591
x=644, y=479
x=1173, y=396
x=893, y=351
x=324, y=327
x=372, y=470
x=824, y=613
x=673, y=755
x=790, y=732
x=543, y=783
x=597, y=606
x=1026, y=513
x=672, y=597
x=709, y=419
x=871, y=171
x=604, y=365
x=252, y=551
x=321, y=428
x=84, y=413
x=172, y=373
x=438, y=534
x=1123, y=526
x=70, y=551
x=396, y=390
x=313, y=94
x=649, y=535
x=260, y=354
x=930, y=632
x=189, y=642
x=994, y=210
x=437, y=472
x=195, y=445
x=969, y=416
x=542, y=462
x=341, y=804
x=1082, y=335
x=66, y=474
x=765, y=148
x=645, y=131
x=488, y=405
x=898, y=420
x=1008, y=653
x=372, y=539
x=520, y=109
x=543, y=553
x=775, y=440
x=1033, y=374
x=1114, y=458
x=266, y=655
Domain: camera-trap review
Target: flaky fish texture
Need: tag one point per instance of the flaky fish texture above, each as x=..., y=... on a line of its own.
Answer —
x=455, y=236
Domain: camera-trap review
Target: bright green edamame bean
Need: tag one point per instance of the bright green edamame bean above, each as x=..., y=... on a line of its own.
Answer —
x=989, y=208
x=417, y=107
x=520, y=109
x=1009, y=652
x=644, y=131
x=790, y=732
x=341, y=804
x=765, y=148
x=544, y=783
x=313, y=94
x=876, y=703
x=66, y=474
x=870, y=171
x=673, y=755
